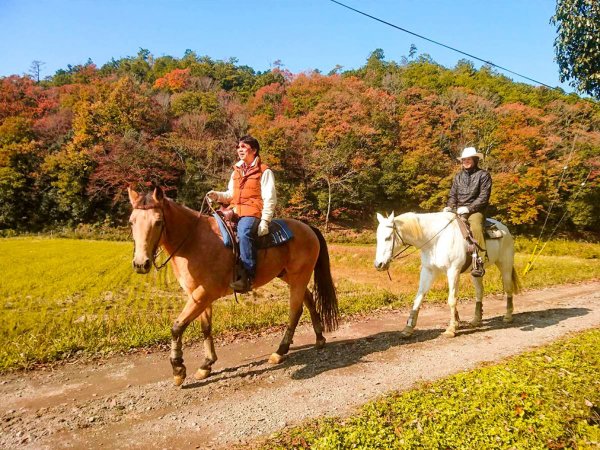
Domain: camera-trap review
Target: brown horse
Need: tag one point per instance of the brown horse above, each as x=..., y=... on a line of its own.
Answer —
x=204, y=267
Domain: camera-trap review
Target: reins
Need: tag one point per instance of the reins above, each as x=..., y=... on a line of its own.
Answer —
x=158, y=249
x=163, y=230
x=407, y=246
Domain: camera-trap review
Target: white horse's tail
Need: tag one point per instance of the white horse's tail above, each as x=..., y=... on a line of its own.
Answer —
x=516, y=282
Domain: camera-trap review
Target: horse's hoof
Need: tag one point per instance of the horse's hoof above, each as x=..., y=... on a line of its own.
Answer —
x=178, y=380
x=507, y=319
x=320, y=343
x=475, y=323
x=201, y=374
x=407, y=332
x=276, y=358
x=449, y=333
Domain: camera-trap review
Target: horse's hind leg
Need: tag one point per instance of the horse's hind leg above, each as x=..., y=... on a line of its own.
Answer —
x=507, y=282
x=315, y=318
x=297, y=291
x=478, y=284
x=210, y=356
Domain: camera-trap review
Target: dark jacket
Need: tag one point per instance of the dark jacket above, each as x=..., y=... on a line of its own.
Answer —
x=471, y=189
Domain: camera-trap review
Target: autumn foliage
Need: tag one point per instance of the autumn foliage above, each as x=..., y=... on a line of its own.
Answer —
x=380, y=138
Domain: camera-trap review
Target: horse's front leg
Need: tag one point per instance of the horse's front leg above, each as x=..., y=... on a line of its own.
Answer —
x=297, y=291
x=210, y=356
x=453, y=277
x=478, y=284
x=193, y=308
x=425, y=281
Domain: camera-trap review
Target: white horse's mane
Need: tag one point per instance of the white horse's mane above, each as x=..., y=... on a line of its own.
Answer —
x=409, y=225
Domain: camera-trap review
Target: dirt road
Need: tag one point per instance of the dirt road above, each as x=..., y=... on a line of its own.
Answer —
x=130, y=402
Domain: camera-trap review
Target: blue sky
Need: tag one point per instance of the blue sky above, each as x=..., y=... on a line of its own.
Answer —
x=303, y=35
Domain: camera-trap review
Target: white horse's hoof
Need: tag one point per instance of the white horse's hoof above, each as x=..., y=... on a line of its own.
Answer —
x=276, y=358
x=407, y=332
x=449, y=333
x=507, y=319
x=178, y=380
x=201, y=374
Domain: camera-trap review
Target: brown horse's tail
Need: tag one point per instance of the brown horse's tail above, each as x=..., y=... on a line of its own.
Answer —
x=516, y=282
x=324, y=290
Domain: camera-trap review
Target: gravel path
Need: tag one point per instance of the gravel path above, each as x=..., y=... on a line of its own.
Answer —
x=130, y=402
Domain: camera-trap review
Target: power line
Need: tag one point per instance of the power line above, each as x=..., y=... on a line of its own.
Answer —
x=442, y=45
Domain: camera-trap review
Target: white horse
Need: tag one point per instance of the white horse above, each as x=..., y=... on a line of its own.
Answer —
x=444, y=250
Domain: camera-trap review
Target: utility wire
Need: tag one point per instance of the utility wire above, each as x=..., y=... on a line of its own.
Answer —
x=533, y=256
x=443, y=45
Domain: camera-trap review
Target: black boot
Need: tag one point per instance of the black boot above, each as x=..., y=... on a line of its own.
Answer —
x=243, y=283
x=478, y=270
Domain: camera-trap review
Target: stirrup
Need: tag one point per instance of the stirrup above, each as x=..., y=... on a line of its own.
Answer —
x=478, y=270
x=242, y=285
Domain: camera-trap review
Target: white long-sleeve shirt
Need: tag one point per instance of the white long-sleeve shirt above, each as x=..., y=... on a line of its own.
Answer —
x=267, y=192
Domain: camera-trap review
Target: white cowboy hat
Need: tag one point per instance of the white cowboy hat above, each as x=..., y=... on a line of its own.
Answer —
x=470, y=152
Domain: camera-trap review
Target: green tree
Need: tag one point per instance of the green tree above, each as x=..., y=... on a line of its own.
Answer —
x=577, y=45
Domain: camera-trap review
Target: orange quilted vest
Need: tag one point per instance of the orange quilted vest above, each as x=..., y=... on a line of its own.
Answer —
x=247, y=198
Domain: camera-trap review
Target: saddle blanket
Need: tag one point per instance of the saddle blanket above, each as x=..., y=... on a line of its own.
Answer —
x=491, y=230
x=279, y=234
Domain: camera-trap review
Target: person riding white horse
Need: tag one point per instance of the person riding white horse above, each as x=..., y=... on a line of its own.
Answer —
x=444, y=251
x=469, y=197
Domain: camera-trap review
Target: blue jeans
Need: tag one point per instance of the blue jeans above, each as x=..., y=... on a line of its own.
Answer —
x=247, y=228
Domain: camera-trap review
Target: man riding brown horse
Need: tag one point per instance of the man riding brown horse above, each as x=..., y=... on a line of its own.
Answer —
x=251, y=194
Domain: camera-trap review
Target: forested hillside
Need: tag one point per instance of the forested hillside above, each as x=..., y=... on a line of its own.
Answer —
x=349, y=143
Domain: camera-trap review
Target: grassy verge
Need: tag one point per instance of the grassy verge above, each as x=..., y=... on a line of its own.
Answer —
x=63, y=298
x=549, y=398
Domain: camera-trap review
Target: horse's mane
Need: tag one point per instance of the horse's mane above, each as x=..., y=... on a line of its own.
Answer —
x=146, y=201
x=410, y=226
x=187, y=209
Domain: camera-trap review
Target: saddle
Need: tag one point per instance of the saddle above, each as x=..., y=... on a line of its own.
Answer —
x=490, y=230
x=279, y=233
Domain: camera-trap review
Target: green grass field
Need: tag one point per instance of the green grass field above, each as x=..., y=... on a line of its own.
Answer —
x=65, y=298
x=548, y=398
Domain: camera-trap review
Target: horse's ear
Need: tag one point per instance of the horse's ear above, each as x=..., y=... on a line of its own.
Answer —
x=391, y=216
x=158, y=194
x=133, y=196
x=380, y=218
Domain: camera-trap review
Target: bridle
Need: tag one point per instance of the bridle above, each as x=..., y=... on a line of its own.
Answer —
x=396, y=235
x=163, y=230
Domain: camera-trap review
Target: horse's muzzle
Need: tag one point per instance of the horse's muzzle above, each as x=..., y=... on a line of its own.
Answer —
x=142, y=268
x=381, y=266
